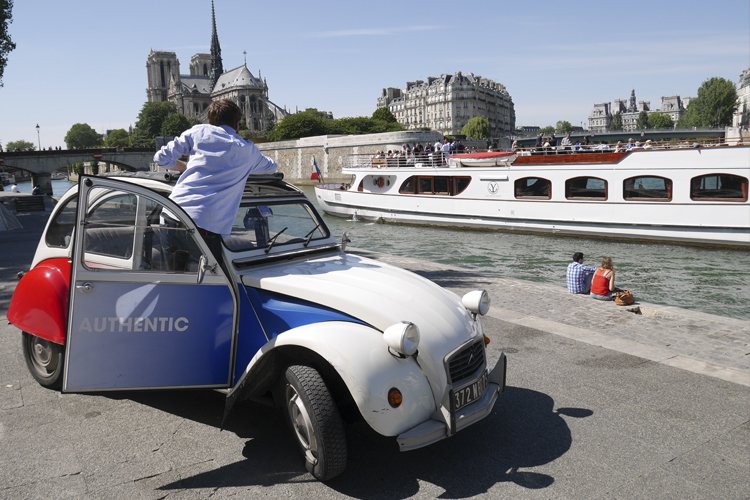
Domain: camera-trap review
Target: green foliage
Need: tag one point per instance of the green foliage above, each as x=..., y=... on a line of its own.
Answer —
x=117, y=138
x=477, y=128
x=384, y=114
x=564, y=126
x=549, y=129
x=17, y=146
x=6, y=43
x=714, y=106
x=658, y=120
x=94, y=167
x=150, y=120
x=81, y=136
x=173, y=125
x=311, y=123
x=616, y=123
x=642, y=122
x=305, y=124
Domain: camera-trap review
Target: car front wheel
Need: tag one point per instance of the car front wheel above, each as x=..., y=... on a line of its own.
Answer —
x=44, y=360
x=315, y=421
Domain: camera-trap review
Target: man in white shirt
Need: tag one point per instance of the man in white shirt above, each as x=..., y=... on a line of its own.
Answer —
x=213, y=180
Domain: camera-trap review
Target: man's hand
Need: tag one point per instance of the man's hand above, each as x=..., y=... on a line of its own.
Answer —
x=180, y=166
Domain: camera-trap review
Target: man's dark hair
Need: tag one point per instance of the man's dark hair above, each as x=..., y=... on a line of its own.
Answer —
x=577, y=257
x=224, y=112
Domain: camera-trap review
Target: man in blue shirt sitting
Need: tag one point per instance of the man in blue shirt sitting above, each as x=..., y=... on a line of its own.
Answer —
x=579, y=276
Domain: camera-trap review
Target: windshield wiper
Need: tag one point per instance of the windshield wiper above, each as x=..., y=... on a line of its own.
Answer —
x=309, y=235
x=271, y=242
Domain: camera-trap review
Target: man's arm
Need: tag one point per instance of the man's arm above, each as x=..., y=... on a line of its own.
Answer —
x=170, y=155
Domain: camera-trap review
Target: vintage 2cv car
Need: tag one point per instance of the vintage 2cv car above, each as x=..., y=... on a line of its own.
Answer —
x=123, y=294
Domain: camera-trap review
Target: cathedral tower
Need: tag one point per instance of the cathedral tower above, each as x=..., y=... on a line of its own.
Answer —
x=217, y=68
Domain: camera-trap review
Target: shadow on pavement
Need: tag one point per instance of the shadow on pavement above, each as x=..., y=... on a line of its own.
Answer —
x=524, y=431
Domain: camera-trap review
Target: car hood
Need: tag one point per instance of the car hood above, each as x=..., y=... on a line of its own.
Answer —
x=375, y=293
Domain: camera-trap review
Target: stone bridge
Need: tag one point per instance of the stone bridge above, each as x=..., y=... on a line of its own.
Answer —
x=41, y=164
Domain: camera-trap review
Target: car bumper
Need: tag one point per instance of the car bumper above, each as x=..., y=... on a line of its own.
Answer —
x=433, y=430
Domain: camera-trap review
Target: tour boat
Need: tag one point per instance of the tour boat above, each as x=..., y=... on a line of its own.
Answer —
x=694, y=195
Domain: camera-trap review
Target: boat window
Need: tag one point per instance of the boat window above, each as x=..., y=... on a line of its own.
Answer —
x=718, y=187
x=446, y=185
x=650, y=188
x=533, y=187
x=586, y=188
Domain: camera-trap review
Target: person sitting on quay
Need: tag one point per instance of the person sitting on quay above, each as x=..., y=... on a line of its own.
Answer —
x=578, y=276
x=603, y=282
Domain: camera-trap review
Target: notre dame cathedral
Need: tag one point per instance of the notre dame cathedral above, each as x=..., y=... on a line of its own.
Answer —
x=208, y=81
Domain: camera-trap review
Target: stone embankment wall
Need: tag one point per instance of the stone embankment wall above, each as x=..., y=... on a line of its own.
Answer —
x=332, y=153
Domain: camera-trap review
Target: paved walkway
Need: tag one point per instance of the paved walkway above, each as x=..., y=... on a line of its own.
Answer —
x=703, y=343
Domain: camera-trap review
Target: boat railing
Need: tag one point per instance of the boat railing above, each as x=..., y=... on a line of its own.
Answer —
x=438, y=159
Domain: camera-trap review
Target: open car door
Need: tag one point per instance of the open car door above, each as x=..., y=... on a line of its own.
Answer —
x=149, y=308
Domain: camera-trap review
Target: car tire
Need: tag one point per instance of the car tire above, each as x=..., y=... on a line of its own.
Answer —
x=315, y=421
x=44, y=359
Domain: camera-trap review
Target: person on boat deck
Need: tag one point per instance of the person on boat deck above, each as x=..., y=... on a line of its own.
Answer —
x=566, y=143
x=603, y=282
x=630, y=144
x=578, y=276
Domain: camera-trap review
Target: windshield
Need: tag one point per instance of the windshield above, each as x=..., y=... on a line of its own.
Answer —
x=273, y=225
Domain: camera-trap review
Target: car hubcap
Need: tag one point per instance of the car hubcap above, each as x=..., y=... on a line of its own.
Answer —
x=302, y=425
x=42, y=355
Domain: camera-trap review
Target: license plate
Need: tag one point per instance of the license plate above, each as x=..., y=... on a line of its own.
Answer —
x=470, y=393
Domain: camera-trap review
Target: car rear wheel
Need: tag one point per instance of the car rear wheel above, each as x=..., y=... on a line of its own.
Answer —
x=315, y=421
x=44, y=360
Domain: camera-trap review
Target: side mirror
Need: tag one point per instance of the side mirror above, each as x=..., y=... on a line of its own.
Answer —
x=344, y=240
x=203, y=267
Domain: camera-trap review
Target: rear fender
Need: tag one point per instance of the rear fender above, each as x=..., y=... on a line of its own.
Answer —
x=361, y=359
x=40, y=303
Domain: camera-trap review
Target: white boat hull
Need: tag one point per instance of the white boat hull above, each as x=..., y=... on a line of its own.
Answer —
x=488, y=201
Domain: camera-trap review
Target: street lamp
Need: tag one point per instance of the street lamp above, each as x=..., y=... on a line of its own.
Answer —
x=39, y=142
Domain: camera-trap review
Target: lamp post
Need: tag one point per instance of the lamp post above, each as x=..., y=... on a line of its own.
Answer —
x=39, y=142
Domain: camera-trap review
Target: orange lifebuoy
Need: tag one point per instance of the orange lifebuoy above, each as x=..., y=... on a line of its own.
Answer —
x=380, y=182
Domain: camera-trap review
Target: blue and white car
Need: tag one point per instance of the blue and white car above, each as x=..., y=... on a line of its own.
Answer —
x=124, y=294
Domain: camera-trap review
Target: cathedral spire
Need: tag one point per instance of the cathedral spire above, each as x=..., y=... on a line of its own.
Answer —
x=217, y=68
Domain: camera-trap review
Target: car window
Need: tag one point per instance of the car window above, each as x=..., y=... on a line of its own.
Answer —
x=129, y=232
x=289, y=222
x=60, y=230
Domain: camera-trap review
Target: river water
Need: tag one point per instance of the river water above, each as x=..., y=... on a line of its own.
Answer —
x=709, y=280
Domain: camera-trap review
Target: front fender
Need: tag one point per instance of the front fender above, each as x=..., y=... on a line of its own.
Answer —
x=362, y=361
x=40, y=302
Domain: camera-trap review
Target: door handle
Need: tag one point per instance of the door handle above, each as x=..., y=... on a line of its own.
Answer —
x=86, y=287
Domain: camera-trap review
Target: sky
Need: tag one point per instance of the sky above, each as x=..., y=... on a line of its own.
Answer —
x=84, y=61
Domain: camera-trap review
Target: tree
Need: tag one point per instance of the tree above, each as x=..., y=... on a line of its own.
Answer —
x=642, y=122
x=174, y=124
x=384, y=114
x=117, y=138
x=304, y=124
x=477, y=128
x=714, y=105
x=82, y=136
x=151, y=118
x=6, y=43
x=564, y=126
x=616, y=123
x=17, y=146
x=658, y=120
x=549, y=129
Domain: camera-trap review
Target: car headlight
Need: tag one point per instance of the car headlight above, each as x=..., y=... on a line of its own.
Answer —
x=477, y=302
x=402, y=337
